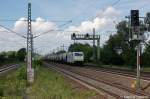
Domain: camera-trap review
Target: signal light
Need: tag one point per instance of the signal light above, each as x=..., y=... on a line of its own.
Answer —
x=134, y=17
x=73, y=36
x=87, y=35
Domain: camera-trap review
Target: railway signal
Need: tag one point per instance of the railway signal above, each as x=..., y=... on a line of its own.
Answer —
x=89, y=37
x=136, y=37
x=135, y=26
x=134, y=17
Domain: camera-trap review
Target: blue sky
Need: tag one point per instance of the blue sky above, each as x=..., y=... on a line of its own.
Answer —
x=78, y=10
x=82, y=13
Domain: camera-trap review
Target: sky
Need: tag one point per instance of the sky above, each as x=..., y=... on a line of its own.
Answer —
x=79, y=16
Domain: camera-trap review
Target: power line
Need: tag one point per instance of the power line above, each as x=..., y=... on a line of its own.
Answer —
x=8, y=40
x=9, y=20
x=112, y=4
x=115, y=3
x=52, y=31
x=11, y=31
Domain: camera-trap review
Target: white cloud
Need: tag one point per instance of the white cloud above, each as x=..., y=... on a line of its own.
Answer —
x=103, y=20
x=38, y=26
x=52, y=40
x=108, y=12
x=11, y=41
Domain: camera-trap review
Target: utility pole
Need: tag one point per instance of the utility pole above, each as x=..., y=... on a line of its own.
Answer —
x=57, y=49
x=94, y=49
x=138, y=65
x=63, y=47
x=98, y=49
x=30, y=71
x=32, y=53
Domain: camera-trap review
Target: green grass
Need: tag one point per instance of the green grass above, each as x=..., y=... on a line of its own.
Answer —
x=11, y=85
x=48, y=84
x=146, y=69
x=123, y=67
x=51, y=84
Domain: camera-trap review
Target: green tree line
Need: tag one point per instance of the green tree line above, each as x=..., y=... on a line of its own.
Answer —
x=12, y=56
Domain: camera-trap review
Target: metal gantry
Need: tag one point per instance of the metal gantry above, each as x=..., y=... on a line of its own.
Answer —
x=89, y=37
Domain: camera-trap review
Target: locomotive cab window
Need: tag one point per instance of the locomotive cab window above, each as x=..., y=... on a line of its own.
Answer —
x=78, y=54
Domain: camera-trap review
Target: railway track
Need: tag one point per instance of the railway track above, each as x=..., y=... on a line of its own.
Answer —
x=129, y=73
x=113, y=90
x=7, y=68
x=145, y=76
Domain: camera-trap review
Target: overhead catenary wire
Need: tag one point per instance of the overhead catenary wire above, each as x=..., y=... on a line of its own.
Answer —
x=8, y=40
x=13, y=32
x=59, y=30
x=52, y=30
x=115, y=3
x=34, y=20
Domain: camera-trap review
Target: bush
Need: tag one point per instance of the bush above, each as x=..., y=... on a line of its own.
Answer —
x=1, y=91
x=22, y=74
x=37, y=63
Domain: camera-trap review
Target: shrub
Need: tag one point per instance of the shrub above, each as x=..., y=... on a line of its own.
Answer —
x=22, y=74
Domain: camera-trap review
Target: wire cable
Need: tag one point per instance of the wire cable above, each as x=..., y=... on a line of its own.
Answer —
x=115, y=3
x=7, y=40
x=11, y=31
x=52, y=30
x=9, y=20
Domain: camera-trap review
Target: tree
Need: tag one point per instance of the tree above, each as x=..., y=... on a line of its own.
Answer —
x=2, y=57
x=146, y=56
x=21, y=54
x=59, y=52
x=11, y=55
x=85, y=48
x=119, y=41
x=109, y=53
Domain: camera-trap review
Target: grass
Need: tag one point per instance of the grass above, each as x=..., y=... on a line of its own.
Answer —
x=123, y=67
x=12, y=85
x=48, y=85
x=51, y=84
x=146, y=69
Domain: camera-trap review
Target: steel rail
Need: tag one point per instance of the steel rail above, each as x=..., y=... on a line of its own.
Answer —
x=8, y=68
x=120, y=72
x=104, y=82
x=141, y=93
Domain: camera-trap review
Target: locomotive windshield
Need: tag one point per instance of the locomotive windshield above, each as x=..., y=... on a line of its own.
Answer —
x=78, y=54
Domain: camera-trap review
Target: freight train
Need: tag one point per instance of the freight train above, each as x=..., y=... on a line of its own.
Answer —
x=68, y=57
